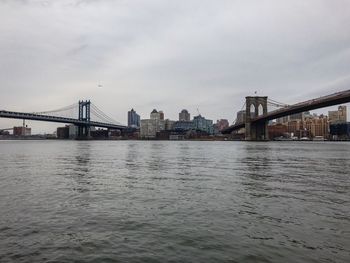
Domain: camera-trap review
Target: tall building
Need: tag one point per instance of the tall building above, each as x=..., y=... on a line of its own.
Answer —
x=184, y=115
x=202, y=124
x=133, y=119
x=150, y=127
x=338, y=116
x=157, y=115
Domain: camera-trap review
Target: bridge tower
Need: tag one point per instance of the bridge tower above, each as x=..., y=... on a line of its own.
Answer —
x=255, y=106
x=84, y=115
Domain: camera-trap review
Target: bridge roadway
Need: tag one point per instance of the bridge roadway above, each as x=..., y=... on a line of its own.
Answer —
x=321, y=102
x=38, y=117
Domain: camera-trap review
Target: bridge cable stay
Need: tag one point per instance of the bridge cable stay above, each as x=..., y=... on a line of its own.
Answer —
x=101, y=117
x=95, y=111
x=97, y=117
x=276, y=103
x=67, y=111
x=101, y=114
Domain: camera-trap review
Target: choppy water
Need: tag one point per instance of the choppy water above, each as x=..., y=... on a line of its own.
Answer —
x=134, y=201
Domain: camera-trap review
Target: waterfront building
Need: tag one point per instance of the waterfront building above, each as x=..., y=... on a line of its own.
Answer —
x=133, y=119
x=277, y=130
x=184, y=115
x=62, y=132
x=317, y=126
x=311, y=126
x=22, y=131
x=183, y=125
x=73, y=131
x=338, y=116
x=340, y=131
x=169, y=124
x=222, y=124
x=294, y=127
x=202, y=124
x=150, y=127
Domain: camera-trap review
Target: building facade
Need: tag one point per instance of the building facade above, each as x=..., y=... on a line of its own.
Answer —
x=222, y=124
x=339, y=116
x=183, y=125
x=184, y=115
x=202, y=124
x=63, y=132
x=22, y=131
x=150, y=127
x=340, y=131
x=133, y=119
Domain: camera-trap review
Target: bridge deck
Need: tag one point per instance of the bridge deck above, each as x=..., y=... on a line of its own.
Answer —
x=38, y=117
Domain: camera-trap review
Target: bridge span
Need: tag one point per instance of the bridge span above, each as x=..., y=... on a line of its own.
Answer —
x=257, y=124
x=38, y=117
x=85, y=110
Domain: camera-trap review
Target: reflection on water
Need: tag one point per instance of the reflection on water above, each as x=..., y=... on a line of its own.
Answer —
x=117, y=201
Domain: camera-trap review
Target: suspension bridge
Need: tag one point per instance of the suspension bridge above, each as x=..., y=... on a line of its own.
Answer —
x=257, y=115
x=83, y=114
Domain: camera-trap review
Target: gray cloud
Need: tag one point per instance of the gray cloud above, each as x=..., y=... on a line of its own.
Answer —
x=170, y=54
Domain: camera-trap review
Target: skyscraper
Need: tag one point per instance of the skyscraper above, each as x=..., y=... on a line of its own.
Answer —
x=133, y=119
x=184, y=115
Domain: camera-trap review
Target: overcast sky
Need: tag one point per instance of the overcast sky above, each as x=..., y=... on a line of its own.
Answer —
x=169, y=55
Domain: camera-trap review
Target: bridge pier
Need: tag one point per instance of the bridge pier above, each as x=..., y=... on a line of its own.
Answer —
x=83, y=133
x=255, y=131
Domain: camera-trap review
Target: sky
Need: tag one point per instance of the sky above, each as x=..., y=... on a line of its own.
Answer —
x=169, y=55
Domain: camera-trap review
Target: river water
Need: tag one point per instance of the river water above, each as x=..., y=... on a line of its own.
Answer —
x=164, y=201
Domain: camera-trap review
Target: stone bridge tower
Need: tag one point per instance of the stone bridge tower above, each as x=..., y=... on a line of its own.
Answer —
x=255, y=130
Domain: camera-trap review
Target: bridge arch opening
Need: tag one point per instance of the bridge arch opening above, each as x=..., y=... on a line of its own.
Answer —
x=260, y=110
x=252, y=111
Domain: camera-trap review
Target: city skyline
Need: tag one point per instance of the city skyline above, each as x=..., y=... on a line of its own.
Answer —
x=170, y=56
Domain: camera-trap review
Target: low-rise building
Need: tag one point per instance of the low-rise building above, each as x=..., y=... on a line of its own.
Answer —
x=63, y=132
x=340, y=131
x=22, y=131
x=277, y=130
